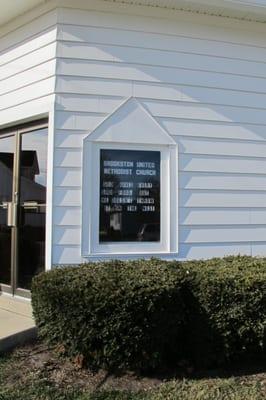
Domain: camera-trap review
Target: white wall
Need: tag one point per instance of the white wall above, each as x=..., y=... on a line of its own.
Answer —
x=27, y=68
x=203, y=79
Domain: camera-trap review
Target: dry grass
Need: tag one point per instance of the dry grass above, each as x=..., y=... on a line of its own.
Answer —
x=35, y=373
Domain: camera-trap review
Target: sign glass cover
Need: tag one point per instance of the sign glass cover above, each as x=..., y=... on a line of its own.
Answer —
x=129, y=196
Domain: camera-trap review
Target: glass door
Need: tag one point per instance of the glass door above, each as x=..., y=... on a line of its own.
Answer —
x=32, y=199
x=7, y=155
x=23, y=167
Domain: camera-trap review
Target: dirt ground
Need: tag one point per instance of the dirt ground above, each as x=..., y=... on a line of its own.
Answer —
x=37, y=361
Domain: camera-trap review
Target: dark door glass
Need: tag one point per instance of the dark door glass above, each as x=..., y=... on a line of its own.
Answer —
x=33, y=170
x=7, y=147
x=129, y=196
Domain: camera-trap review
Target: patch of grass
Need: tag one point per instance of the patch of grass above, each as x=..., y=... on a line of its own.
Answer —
x=225, y=389
x=37, y=373
x=210, y=389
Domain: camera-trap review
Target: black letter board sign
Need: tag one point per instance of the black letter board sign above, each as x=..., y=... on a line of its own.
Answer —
x=129, y=196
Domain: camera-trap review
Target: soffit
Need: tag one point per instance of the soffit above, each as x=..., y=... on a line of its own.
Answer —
x=13, y=8
x=251, y=10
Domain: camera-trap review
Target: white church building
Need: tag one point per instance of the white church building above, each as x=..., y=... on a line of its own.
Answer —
x=130, y=129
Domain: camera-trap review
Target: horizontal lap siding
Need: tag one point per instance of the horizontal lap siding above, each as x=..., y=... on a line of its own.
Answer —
x=27, y=67
x=205, y=85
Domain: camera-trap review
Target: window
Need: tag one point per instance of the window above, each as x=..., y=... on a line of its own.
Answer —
x=129, y=186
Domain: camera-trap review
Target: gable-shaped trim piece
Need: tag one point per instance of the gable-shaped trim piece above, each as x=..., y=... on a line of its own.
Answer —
x=130, y=123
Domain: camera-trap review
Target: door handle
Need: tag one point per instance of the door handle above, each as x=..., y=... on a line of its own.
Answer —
x=30, y=205
x=33, y=205
x=12, y=212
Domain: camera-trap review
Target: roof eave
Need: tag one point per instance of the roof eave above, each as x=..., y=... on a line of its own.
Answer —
x=250, y=10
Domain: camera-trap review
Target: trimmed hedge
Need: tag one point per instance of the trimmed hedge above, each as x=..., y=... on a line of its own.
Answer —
x=114, y=314
x=227, y=309
x=145, y=314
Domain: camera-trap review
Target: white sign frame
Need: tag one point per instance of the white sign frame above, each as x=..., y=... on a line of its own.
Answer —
x=130, y=127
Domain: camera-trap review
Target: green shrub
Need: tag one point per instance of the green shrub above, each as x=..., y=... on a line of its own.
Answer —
x=116, y=314
x=145, y=314
x=227, y=309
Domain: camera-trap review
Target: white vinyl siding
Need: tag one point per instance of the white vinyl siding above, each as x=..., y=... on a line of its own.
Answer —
x=27, y=68
x=205, y=83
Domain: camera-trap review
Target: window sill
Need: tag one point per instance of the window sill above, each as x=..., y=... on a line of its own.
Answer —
x=129, y=256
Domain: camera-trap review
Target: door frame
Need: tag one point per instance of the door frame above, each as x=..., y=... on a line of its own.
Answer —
x=17, y=131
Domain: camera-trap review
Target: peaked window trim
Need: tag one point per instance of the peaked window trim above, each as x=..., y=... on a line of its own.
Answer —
x=117, y=132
